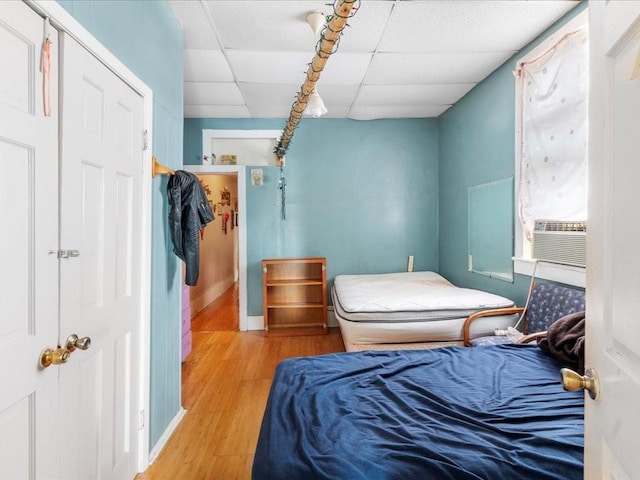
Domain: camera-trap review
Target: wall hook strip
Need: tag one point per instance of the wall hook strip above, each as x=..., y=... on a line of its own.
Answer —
x=159, y=169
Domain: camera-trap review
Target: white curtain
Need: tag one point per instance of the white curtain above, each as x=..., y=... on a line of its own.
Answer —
x=553, y=165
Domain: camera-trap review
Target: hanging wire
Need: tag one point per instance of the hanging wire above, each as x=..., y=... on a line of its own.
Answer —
x=326, y=46
x=526, y=305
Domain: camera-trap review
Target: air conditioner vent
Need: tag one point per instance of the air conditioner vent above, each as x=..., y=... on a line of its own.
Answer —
x=557, y=226
x=560, y=242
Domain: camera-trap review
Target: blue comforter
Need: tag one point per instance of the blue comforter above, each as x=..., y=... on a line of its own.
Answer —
x=496, y=412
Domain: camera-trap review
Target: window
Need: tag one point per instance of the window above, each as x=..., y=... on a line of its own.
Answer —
x=551, y=142
x=491, y=229
x=239, y=147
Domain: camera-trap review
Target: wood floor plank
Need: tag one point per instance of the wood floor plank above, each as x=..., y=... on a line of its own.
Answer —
x=225, y=385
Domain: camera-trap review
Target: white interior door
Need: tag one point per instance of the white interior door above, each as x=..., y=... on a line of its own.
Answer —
x=613, y=276
x=101, y=176
x=28, y=231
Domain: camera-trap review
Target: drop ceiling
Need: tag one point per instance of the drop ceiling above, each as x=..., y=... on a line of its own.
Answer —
x=396, y=59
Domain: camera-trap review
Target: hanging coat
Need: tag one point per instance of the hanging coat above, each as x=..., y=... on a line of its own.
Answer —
x=189, y=212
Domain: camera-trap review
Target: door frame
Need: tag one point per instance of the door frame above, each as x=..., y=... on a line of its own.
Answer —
x=245, y=323
x=240, y=170
x=63, y=21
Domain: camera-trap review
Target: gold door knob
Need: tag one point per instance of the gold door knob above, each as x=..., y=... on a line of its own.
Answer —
x=572, y=381
x=54, y=357
x=82, y=343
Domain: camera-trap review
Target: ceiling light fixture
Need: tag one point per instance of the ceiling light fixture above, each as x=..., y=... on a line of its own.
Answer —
x=315, y=106
x=315, y=21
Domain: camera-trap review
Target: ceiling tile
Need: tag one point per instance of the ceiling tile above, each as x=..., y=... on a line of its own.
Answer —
x=269, y=67
x=282, y=25
x=345, y=69
x=364, y=29
x=471, y=26
x=398, y=58
x=263, y=111
x=283, y=113
x=335, y=111
x=390, y=95
x=210, y=93
x=212, y=111
x=198, y=32
x=417, y=68
x=372, y=113
x=260, y=25
x=291, y=67
x=206, y=66
x=269, y=94
x=336, y=95
x=278, y=98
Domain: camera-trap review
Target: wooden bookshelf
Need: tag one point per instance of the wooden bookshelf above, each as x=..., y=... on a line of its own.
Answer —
x=294, y=296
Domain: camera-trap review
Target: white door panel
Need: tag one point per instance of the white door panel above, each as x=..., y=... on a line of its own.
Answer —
x=100, y=296
x=95, y=209
x=613, y=275
x=28, y=231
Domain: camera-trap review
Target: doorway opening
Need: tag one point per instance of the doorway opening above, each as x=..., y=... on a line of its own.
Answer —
x=214, y=301
x=240, y=230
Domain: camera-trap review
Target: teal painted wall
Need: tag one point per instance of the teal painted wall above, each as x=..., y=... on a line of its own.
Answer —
x=477, y=145
x=362, y=194
x=373, y=195
x=147, y=38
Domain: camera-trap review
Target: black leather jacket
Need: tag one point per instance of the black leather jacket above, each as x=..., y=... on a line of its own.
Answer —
x=189, y=212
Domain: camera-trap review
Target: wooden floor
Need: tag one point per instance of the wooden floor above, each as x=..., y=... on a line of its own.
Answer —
x=225, y=384
x=219, y=315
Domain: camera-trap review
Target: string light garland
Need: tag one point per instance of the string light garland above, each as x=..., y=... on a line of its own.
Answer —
x=328, y=44
x=282, y=186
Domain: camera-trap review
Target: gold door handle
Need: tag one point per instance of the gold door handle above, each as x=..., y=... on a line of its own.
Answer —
x=572, y=381
x=50, y=357
x=81, y=343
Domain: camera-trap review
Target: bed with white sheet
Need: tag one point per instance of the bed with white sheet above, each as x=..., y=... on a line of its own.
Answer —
x=410, y=308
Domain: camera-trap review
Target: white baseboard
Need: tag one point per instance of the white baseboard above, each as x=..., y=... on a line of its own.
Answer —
x=162, y=441
x=211, y=294
x=255, y=323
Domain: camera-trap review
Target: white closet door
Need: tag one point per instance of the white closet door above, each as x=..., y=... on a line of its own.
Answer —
x=102, y=126
x=28, y=231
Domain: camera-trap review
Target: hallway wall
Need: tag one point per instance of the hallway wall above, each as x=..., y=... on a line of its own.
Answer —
x=218, y=250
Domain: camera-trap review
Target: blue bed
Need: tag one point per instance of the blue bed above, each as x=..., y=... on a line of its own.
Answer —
x=496, y=412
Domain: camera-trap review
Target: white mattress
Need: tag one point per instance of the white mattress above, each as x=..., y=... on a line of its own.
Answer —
x=407, y=296
x=411, y=307
x=449, y=330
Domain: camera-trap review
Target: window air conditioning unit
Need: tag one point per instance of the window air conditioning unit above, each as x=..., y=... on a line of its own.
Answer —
x=560, y=242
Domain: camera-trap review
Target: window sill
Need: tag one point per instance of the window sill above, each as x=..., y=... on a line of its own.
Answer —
x=576, y=276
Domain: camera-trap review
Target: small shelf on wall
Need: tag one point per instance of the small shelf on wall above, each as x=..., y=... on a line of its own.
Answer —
x=294, y=296
x=240, y=147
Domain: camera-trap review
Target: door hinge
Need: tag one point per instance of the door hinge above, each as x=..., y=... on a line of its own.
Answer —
x=145, y=140
x=141, y=420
